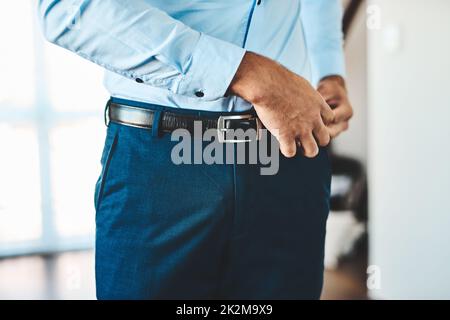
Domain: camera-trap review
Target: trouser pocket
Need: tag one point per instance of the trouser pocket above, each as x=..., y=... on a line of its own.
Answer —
x=107, y=154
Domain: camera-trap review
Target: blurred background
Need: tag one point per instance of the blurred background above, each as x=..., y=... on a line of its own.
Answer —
x=388, y=234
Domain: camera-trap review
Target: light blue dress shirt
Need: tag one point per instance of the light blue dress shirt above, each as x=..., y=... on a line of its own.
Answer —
x=184, y=54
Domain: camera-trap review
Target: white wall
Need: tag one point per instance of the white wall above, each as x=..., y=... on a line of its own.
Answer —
x=409, y=149
x=354, y=142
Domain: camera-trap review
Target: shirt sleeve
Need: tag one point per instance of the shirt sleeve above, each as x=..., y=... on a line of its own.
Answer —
x=322, y=21
x=141, y=42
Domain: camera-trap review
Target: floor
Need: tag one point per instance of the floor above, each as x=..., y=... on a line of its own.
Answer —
x=62, y=276
x=348, y=282
x=71, y=276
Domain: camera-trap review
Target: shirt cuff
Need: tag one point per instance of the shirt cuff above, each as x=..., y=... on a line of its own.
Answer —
x=213, y=65
x=328, y=64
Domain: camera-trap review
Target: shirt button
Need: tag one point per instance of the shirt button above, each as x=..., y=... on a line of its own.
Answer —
x=259, y=2
x=139, y=80
x=199, y=94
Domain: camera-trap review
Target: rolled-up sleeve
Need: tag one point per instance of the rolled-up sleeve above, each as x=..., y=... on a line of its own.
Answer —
x=322, y=20
x=141, y=42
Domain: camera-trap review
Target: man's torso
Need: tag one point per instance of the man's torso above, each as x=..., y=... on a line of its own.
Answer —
x=273, y=28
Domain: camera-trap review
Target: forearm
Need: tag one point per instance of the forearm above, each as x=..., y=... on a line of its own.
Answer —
x=141, y=42
x=322, y=20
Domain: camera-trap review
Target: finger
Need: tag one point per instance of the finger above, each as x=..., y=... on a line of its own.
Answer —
x=288, y=147
x=326, y=94
x=343, y=112
x=336, y=129
x=310, y=148
x=322, y=135
x=328, y=116
x=326, y=91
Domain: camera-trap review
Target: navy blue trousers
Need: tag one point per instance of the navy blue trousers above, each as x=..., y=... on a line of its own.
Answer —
x=166, y=231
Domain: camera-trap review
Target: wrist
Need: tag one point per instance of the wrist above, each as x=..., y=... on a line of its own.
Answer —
x=248, y=82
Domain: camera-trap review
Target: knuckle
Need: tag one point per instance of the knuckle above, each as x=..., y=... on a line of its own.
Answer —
x=317, y=122
x=286, y=136
x=332, y=113
x=329, y=114
x=346, y=126
x=350, y=113
x=304, y=132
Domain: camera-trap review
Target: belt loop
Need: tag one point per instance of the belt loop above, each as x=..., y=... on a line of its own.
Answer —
x=106, y=113
x=157, y=116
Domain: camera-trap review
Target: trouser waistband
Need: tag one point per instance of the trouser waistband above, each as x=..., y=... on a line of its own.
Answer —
x=166, y=119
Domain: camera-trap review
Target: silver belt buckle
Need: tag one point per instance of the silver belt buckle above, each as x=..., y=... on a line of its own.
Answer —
x=222, y=129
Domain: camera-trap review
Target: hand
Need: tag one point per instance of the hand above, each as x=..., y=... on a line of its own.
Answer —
x=286, y=104
x=334, y=92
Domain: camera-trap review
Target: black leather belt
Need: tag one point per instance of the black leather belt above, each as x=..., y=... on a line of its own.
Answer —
x=170, y=121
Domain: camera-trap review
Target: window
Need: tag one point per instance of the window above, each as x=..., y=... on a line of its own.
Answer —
x=51, y=137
